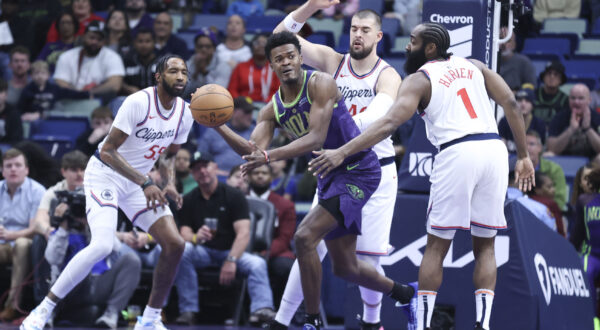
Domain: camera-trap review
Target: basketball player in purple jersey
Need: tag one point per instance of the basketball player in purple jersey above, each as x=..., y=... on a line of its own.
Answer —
x=308, y=106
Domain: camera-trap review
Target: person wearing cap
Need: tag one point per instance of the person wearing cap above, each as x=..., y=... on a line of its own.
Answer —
x=575, y=131
x=166, y=41
x=549, y=99
x=524, y=99
x=241, y=123
x=223, y=248
x=204, y=67
x=254, y=78
x=139, y=63
x=92, y=66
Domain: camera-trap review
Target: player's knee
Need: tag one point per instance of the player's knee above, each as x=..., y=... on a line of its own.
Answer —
x=174, y=247
x=346, y=271
x=100, y=249
x=303, y=240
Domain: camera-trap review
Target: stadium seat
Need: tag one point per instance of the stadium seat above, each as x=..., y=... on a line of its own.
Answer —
x=565, y=25
x=582, y=68
x=569, y=164
x=375, y=5
x=558, y=46
x=63, y=127
x=177, y=21
x=400, y=43
x=539, y=66
x=343, y=44
x=588, y=47
x=572, y=37
x=207, y=20
x=596, y=28
x=55, y=146
x=398, y=64
x=322, y=38
x=188, y=37
x=265, y=24
x=391, y=26
x=327, y=24
x=589, y=81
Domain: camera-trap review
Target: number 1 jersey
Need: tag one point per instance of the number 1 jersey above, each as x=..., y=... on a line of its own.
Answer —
x=459, y=103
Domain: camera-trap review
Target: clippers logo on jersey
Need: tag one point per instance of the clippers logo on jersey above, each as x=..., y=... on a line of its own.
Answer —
x=349, y=94
x=107, y=195
x=561, y=281
x=420, y=163
x=150, y=135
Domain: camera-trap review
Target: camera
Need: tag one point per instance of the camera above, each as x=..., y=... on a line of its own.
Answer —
x=76, y=201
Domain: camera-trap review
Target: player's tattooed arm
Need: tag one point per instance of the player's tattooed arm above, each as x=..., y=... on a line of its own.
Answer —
x=166, y=168
x=111, y=156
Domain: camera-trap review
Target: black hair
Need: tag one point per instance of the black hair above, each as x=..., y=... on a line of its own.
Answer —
x=280, y=39
x=73, y=17
x=3, y=85
x=74, y=160
x=161, y=62
x=259, y=35
x=144, y=29
x=365, y=13
x=437, y=34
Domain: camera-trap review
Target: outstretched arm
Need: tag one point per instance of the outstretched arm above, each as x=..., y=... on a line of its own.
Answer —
x=321, y=57
x=412, y=91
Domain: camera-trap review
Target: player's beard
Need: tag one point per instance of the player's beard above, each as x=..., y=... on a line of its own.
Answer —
x=170, y=90
x=359, y=55
x=415, y=59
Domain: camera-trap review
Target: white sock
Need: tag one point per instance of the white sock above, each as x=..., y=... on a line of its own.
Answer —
x=292, y=295
x=483, y=305
x=47, y=304
x=150, y=314
x=371, y=299
x=426, y=300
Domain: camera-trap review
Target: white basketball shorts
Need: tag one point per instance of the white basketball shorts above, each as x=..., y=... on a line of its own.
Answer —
x=468, y=189
x=106, y=190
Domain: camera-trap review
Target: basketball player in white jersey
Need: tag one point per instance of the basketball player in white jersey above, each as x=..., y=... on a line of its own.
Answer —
x=151, y=122
x=469, y=178
x=369, y=86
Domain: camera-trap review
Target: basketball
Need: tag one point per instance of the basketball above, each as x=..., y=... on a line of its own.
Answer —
x=211, y=105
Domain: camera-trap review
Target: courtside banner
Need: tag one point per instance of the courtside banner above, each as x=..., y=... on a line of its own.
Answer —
x=541, y=283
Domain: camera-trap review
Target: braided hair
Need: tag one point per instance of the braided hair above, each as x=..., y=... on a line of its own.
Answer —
x=161, y=63
x=437, y=34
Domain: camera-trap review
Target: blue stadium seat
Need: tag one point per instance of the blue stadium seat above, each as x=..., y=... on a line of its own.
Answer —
x=63, y=127
x=322, y=38
x=264, y=24
x=582, y=68
x=55, y=146
x=573, y=38
x=589, y=81
x=596, y=28
x=207, y=20
x=188, y=38
x=343, y=44
x=375, y=5
x=558, y=46
x=391, y=26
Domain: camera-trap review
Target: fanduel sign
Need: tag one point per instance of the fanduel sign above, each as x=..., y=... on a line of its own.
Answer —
x=562, y=281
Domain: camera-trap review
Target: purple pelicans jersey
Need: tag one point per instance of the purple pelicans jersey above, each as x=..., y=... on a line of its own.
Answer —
x=355, y=180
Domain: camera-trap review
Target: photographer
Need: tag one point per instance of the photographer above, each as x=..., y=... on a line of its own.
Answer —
x=112, y=280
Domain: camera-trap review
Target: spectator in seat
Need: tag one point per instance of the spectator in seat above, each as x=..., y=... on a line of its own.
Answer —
x=516, y=69
x=237, y=180
x=118, y=34
x=544, y=193
x=281, y=258
x=139, y=63
x=40, y=94
x=204, y=66
x=283, y=183
x=19, y=198
x=575, y=131
x=101, y=121
x=11, y=128
x=241, y=123
x=223, y=248
x=549, y=98
x=247, y=9
x=286, y=6
x=346, y=8
x=166, y=41
x=72, y=166
x=82, y=9
x=408, y=12
x=19, y=65
x=543, y=9
x=524, y=98
x=254, y=78
x=137, y=15
x=580, y=182
x=91, y=67
x=548, y=167
x=234, y=49
x=67, y=25
x=184, y=180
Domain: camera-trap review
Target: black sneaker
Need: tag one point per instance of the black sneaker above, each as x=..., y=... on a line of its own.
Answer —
x=274, y=325
x=478, y=326
x=368, y=326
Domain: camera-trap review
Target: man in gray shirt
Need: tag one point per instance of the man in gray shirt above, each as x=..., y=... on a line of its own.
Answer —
x=515, y=68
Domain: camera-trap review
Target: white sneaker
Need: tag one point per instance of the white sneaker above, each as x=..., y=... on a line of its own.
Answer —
x=156, y=325
x=36, y=320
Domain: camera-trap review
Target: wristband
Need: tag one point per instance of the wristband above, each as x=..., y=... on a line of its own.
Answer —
x=147, y=183
x=231, y=259
x=266, y=153
x=194, y=239
x=150, y=239
x=291, y=25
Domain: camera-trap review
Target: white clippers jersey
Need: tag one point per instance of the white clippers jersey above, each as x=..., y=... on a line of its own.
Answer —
x=150, y=127
x=358, y=92
x=459, y=102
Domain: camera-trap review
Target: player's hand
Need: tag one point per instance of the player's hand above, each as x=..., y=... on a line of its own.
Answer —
x=524, y=174
x=322, y=4
x=129, y=239
x=256, y=159
x=154, y=197
x=141, y=241
x=172, y=193
x=326, y=161
x=227, y=273
x=203, y=234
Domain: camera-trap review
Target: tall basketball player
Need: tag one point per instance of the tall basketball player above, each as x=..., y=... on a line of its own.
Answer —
x=150, y=122
x=469, y=178
x=369, y=86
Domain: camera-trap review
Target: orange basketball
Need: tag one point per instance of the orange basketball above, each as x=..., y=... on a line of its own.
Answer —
x=211, y=105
